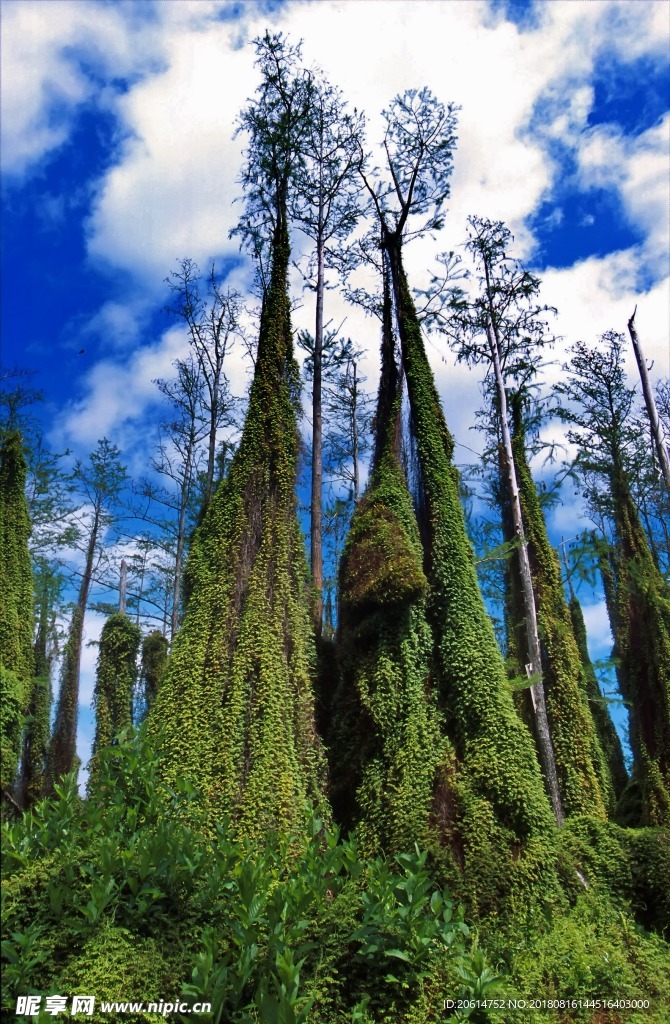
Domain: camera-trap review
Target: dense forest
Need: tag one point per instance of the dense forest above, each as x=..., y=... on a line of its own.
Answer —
x=352, y=759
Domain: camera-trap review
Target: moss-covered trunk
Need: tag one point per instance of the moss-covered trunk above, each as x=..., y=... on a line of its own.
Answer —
x=610, y=743
x=16, y=604
x=583, y=775
x=385, y=741
x=236, y=703
x=642, y=633
x=506, y=825
x=115, y=678
x=36, y=736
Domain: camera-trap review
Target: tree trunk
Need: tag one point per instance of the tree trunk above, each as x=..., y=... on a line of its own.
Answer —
x=176, y=589
x=652, y=412
x=534, y=666
x=211, y=450
x=317, y=441
x=122, y=588
x=64, y=740
x=354, y=432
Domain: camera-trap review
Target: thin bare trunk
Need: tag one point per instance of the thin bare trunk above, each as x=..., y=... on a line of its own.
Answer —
x=317, y=439
x=176, y=589
x=122, y=587
x=354, y=430
x=64, y=739
x=534, y=667
x=652, y=412
x=211, y=450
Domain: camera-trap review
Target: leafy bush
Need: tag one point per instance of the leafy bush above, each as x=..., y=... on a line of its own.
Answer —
x=123, y=894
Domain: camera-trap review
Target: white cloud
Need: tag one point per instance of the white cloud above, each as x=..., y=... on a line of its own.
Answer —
x=597, y=630
x=171, y=191
x=116, y=394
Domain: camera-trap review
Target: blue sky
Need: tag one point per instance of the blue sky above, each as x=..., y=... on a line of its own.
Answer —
x=118, y=159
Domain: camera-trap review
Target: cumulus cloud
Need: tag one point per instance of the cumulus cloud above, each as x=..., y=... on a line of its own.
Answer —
x=115, y=394
x=177, y=75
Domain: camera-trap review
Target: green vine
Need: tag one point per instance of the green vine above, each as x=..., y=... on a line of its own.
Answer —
x=16, y=604
x=385, y=743
x=115, y=678
x=495, y=812
x=583, y=773
x=236, y=704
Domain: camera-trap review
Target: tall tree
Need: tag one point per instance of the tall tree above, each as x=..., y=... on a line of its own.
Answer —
x=607, y=734
x=584, y=776
x=598, y=408
x=236, y=701
x=348, y=417
x=501, y=327
x=498, y=787
x=49, y=584
x=326, y=207
x=99, y=482
x=115, y=678
x=650, y=403
x=385, y=740
x=178, y=459
x=16, y=604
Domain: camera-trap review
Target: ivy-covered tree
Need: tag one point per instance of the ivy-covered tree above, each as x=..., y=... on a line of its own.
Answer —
x=99, y=483
x=597, y=406
x=584, y=776
x=115, y=678
x=16, y=604
x=608, y=737
x=496, y=802
x=236, y=703
x=49, y=584
x=385, y=741
x=153, y=662
x=503, y=327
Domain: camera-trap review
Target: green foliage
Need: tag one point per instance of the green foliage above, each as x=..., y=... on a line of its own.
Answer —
x=16, y=593
x=385, y=743
x=152, y=669
x=505, y=828
x=115, y=677
x=12, y=704
x=610, y=743
x=16, y=604
x=602, y=428
x=119, y=896
x=236, y=700
x=584, y=778
x=593, y=952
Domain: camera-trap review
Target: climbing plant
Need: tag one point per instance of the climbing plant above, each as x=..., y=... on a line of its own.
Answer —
x=491, y=805
x=597, y=405
x=385, y=742
x=153, y=663
x=16, y=604
x=236, y=702
x=583, y=774
x=115, y=678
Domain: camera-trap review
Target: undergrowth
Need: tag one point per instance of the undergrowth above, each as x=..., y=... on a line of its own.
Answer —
x=124, y=896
